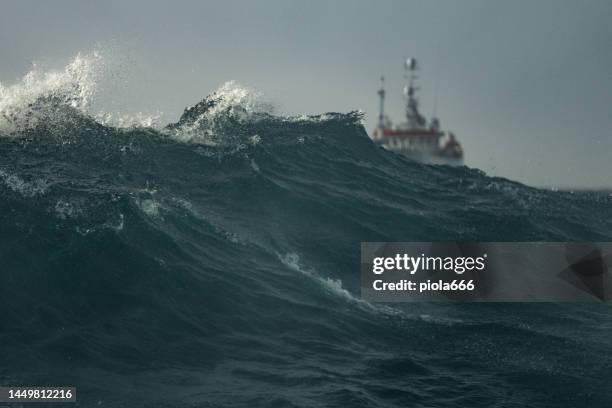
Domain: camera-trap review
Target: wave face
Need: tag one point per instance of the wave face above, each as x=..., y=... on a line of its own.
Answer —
x=215, y=262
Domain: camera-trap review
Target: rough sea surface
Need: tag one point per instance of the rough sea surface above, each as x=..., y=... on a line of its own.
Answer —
x=214, y=262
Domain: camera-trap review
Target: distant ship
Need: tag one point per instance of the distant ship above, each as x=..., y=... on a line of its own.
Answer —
x=416, y=138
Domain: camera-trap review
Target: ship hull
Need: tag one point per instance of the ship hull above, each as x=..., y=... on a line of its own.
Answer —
x=426, y=156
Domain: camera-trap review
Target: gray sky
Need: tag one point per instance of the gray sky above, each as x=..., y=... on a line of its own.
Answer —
x=525, y=85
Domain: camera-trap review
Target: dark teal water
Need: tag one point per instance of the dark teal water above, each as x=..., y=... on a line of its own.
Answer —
x=215, y=263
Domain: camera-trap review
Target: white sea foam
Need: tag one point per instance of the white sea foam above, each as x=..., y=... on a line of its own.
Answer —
x=442, y=320
x=210, y=219
x=230, y=100
x=358, y=115
x=34, y=100
x=239, y=101
x=22, y=104
x=149, y=207
x=65, y=209
x=30, y=189
x=130, y=121
x=240, y=104
x=334, y=286
x=114, y=225
x=254, y=166
x=74, y=86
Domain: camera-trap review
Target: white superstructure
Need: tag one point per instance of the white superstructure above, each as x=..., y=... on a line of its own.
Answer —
x=417, y=138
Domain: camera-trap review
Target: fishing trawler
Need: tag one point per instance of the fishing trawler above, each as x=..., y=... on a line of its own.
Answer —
x=416, y=138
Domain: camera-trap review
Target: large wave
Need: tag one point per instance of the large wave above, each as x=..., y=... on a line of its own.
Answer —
x=216, y=261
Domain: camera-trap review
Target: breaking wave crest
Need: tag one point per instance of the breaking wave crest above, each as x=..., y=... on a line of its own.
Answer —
x=28, y=103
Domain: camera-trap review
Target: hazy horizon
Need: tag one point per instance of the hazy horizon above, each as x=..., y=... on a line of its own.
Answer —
x=525, y=86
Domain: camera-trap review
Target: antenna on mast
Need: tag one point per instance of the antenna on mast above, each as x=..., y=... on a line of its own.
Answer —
x=381, y=111
x=413, y=117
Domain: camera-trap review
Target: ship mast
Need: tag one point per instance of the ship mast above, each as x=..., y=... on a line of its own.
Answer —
x=381, y=94
x=414, y=118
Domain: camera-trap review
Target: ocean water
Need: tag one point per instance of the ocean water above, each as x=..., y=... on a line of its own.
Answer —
x=214, y=262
